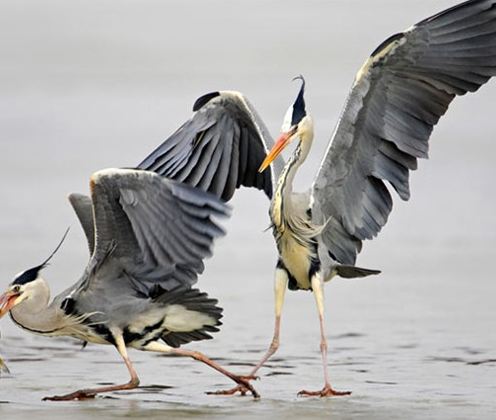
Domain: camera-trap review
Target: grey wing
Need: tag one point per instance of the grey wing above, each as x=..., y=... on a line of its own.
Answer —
x=219, y=149
x=158, y=231
x=83, y=207
x=398, y=96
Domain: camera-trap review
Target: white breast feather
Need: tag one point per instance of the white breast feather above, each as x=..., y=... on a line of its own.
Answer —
x=178, y=318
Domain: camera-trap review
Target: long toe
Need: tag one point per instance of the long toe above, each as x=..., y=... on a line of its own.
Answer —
x=73, y=396
x=327, y=391
x=243, y=387
x=246, y=384
x=233, y=391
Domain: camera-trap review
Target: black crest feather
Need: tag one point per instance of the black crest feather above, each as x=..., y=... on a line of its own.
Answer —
x=32, y=274
x=299, y=111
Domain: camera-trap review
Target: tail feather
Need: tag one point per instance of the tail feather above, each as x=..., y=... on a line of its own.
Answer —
x=351, y=272
x=191, y=302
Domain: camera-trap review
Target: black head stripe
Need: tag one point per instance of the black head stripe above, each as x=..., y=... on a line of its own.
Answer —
x=299, y=106
x=203, y=100
x=28, y=275
x=32, y=274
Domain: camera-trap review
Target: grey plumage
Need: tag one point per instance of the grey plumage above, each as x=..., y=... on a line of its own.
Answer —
x=219, y=149
x=83, y=207
x=147, y=237
x=397, y=98
x=151, y=235
x=156, y=228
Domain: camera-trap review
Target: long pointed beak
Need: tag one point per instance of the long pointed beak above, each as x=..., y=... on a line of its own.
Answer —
x=281, y=143
x=7, y=301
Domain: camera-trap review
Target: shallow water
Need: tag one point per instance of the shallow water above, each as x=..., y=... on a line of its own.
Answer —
x=88, y=85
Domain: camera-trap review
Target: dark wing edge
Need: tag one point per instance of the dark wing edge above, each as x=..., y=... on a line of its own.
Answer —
x=398, y=96
x=192, y=300
x=219, y=149
x=158, y=230
x=83, y=207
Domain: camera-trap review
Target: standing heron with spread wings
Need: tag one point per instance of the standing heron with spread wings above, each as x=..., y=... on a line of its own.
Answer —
x=397, y=97
x=147, y=237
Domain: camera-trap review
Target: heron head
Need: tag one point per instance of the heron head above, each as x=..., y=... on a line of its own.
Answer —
x=295, y=124
x=19, y=290
x=27, y=284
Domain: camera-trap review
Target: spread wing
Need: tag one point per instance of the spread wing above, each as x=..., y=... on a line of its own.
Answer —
x=398, y=96
x=156, y=230
x=219, y=149
x=83, y=208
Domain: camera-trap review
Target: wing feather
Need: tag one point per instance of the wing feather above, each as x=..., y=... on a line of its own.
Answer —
x=83, y=207
x=219, y=149
x=157, y=230
x=398, y=96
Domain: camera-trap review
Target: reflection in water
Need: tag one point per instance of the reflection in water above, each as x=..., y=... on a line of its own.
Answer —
x=3, y=367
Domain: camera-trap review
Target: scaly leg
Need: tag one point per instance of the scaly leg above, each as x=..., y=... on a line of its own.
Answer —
x=84, y=394
x=327, y=391
x=240, y=380
x=280, y=286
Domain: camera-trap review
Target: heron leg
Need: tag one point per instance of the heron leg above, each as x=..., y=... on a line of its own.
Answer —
x=280, y=286
x=242, y=381
x=327, y=390
x=84, y=394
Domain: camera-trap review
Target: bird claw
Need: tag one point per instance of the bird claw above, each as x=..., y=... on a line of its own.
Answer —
x=73, y=396
x=239, y=388
x=249, y=378
x=327, y=391
x=243, y=387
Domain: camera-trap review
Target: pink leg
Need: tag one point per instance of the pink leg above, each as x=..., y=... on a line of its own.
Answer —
x=327, y=391
x=280, y=286
x=84, y=394
x=242, y=381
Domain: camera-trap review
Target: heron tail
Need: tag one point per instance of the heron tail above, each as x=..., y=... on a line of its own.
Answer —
x=352, y=272
x=191, y=316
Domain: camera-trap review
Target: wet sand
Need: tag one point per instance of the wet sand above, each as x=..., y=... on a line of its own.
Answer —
x=89, y=85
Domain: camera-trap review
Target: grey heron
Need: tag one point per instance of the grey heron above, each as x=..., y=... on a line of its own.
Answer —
x=397, y=97
x=147, y=237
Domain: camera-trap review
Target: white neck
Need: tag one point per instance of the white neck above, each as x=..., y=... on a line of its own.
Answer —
x=299, y=155
x=283, y=193
x=34, y=313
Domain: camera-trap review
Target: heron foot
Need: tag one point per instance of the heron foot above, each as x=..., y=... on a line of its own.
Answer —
x=243, y=387
x=73, y=396
x=327, y=391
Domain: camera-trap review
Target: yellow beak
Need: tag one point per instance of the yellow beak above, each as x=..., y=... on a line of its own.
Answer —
x=283, y=140
x=7, y=301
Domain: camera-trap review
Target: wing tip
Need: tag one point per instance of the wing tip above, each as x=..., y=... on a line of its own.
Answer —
x=384, y=44
x=455, y=8
x=203, y=100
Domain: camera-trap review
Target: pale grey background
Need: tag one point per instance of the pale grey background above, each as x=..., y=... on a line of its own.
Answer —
x=91, y=84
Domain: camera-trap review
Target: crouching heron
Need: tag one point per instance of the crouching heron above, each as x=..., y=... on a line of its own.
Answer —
x=147, y=237
x=397, y=97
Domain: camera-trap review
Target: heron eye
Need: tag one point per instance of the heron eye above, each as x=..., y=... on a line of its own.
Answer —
x=16, y=289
